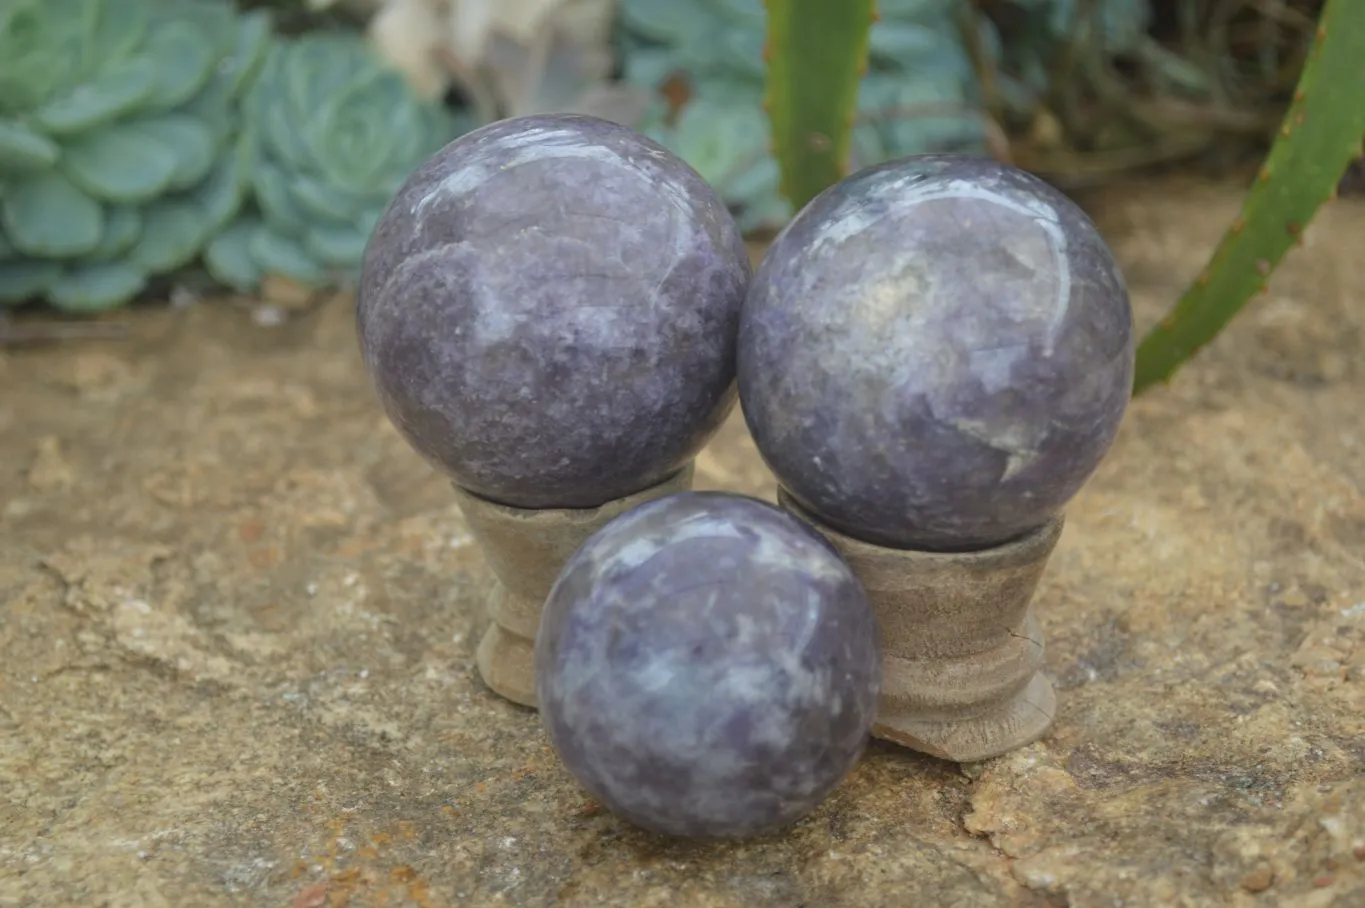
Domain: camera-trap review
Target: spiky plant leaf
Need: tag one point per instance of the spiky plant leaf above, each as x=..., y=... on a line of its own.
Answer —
x=1320, y=136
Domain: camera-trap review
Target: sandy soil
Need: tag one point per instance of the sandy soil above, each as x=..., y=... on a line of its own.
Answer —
x=237, y=619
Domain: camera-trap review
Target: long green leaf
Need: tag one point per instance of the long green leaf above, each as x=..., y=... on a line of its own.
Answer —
x=1320, y=136
x=816, y=56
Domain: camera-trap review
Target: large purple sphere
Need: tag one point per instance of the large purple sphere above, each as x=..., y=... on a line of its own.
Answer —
x=548, y=309
x=707, y=666
x=936, y=353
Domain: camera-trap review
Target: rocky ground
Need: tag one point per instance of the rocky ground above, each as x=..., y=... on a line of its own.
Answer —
x=238, y=618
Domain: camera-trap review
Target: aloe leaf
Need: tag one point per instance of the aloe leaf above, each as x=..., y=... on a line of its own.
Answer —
x=816, y=56
x=46, y=216
x=1320, y=136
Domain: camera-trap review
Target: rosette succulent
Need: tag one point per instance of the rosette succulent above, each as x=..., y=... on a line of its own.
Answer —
x=336, y=130
x=119, y=152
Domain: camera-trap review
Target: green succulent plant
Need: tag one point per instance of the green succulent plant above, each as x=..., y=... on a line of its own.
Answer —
x=335, y=132
x=119, y=152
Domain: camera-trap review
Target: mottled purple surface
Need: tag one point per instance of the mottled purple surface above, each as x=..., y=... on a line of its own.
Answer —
x=548, y=309
x=707, y=666
x=936, y=353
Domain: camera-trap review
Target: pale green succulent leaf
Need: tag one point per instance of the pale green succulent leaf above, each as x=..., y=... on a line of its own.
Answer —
x=228, y=259
x=665, y=21
x=431, y=125
x=370, y=219
x=192, y=140
x=285, y=256
x=24, y=151
x=122, y=225
x=282, y=136
x=755, y=183
x=119, y=89
x=406, y=125
x=720, y=140
x=349, y=137
x=320, y=62
x=249, y=50
x=45, y=45
x=764, y=213
x=336, y=245
x=267, y=106
x=743, y=52
x=908, y=125
x=23, y=280
x=214, y=19
x=276, y=200
x=213, y=106
x=121, y=163
x=222, y=192
x=649, y=67
x=97, y=287
x=7, y=252
x=324, y=202
x=47, y=216
x=119, y=32
x=172, y=234
x=903, y=41
x=185, y=59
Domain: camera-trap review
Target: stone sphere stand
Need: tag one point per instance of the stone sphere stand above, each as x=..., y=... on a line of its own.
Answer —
x=526, y=549
x=962, y=652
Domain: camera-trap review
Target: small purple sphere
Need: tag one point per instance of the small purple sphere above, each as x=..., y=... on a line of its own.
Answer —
x=548, y=309
x=936, y=353
x=707, y=666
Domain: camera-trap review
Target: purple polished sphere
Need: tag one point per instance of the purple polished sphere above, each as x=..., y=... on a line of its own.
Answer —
x=548, y=309
x=936, y=353
x=707, y=666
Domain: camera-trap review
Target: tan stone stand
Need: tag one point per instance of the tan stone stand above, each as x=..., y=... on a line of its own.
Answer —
x=526, y=549
x=962, y=651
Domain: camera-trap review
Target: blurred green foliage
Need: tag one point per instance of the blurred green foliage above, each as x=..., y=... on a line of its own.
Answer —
x=141, y=138
x=334, y=133
x=1320, y=136
x=136, y=139
x=121, y=151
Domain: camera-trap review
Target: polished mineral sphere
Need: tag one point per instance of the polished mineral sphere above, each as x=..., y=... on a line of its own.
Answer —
x=936, y=353
x=707, y=666
x=548, y=309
